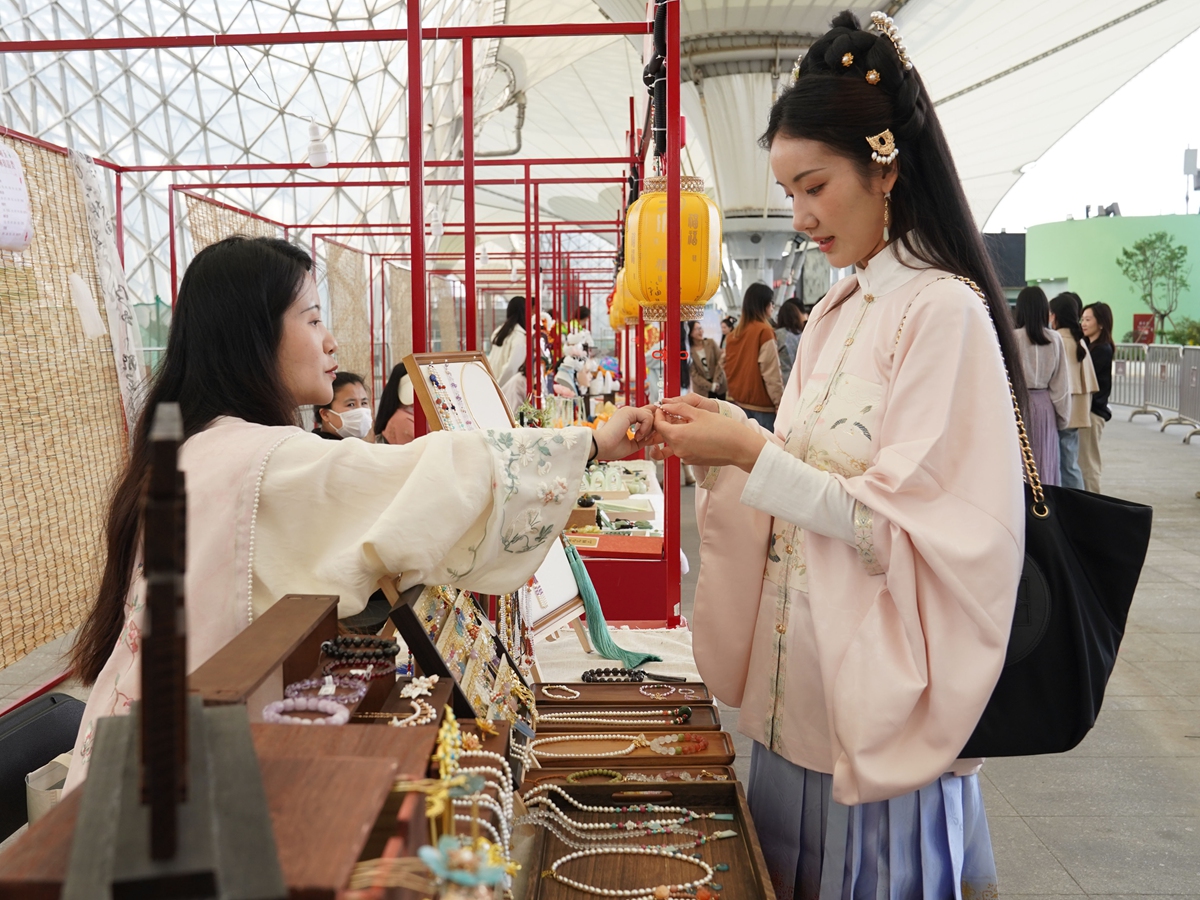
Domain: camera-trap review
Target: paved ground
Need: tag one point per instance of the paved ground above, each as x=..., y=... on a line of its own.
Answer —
x=1119, y=816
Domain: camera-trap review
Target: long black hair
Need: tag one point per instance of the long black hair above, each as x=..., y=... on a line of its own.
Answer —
x=835, y=104
x=1066, y=315
x=756, y=305
x=1033, y=314
x=1104, y=318
x=389, y=402
x=220, y=361
x=514, y=316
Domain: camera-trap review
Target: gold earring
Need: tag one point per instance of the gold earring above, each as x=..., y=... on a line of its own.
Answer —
x=887, y=215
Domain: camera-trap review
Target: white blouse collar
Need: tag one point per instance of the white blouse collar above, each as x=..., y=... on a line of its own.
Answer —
x=890, y=268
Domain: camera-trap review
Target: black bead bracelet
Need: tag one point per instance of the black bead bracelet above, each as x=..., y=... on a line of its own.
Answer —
x=600, y=676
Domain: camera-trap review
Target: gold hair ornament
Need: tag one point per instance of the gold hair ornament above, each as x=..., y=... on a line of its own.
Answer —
x=883, y=147
x=873, y=76
x=796, y=66
x=847, y=60
x=884, y=24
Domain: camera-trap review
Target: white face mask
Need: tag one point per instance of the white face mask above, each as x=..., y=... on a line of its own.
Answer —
x=355, y=422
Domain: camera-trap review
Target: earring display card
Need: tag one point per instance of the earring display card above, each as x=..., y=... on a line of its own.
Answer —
x=738, y=862
x=458, y=391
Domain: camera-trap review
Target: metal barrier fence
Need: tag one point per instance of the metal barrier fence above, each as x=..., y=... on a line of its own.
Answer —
x=1159, y=378
x=1189, y=390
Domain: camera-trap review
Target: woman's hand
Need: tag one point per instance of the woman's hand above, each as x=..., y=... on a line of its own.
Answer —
x=702, y=438
x=693, y=399
x=612, y=438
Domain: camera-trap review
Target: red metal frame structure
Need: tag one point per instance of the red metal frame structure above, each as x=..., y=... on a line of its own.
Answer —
x=647, y=585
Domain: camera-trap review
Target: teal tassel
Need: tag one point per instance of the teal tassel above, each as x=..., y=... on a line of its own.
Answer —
x=597, y=627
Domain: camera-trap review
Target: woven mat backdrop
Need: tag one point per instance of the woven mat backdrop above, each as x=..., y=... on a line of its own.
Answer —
x=346, y=278
x=441, y=298
x=66, y=437
x=399, y=293
x=209, y=222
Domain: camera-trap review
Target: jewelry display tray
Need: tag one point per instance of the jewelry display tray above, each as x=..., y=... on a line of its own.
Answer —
x=704, y=718
x=620, y=694
x=719, y=752
x=747, y=876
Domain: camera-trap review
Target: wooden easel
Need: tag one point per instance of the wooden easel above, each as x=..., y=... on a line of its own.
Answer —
x=550, y=627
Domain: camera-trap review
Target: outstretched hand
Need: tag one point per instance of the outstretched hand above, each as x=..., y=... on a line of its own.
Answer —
x=700, y=437
x=613, y=440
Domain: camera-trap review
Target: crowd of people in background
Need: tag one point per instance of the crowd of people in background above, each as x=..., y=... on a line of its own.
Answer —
x=1067, y=357
x=1066, y=353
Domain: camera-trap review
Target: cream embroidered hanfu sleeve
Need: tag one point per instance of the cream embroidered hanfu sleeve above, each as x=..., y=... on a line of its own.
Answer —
x=472, y=509
x=857, y=587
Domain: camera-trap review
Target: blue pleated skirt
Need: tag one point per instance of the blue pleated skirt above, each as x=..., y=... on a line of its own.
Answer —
x=931, y=844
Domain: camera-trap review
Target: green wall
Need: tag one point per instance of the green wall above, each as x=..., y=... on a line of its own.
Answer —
x=1084, y=253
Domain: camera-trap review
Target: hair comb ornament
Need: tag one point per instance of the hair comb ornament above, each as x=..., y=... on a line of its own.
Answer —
x=883, y=147
x=796, y=66
x=884, y=24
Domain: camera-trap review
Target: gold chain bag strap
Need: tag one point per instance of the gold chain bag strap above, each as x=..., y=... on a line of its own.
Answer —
x=1077, y=582
x=1031, y=473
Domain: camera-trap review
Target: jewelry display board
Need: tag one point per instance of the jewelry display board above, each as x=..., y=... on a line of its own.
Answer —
x=737, y=862
x=458, y=391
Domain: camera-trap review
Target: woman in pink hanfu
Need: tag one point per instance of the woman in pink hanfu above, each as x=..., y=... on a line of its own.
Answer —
x=273, y=509
x=859, y=566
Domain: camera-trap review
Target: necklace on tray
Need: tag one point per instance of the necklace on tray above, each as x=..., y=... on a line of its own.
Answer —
x=636, y=718
x=658, y=892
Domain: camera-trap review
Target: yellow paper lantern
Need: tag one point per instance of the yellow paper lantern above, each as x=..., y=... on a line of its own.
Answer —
x=628, y=302
x=646, y=249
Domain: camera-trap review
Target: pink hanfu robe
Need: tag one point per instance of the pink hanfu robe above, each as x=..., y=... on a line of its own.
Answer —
x=865, y=643
x=276, y=510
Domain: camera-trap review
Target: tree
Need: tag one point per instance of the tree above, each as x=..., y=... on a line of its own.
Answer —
x=1158, y=270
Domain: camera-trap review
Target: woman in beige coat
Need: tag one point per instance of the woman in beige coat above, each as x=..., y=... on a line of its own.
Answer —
x=1064, y=318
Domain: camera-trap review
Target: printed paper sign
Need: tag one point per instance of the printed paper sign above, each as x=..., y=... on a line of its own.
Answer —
x=16, y=216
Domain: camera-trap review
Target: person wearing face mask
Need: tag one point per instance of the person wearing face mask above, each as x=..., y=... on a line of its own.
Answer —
x=860, y=560
x=348, y=414
x=273, y=509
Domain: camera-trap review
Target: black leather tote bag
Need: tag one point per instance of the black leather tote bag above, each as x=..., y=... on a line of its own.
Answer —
x=1083, y=555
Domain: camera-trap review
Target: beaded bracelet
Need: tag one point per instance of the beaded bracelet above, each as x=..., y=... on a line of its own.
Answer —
x=571, y=693
x=335, y=713
x=612, y=675
x=614, y=776
x=360, y=647
x=364, y=669
x=356, y=686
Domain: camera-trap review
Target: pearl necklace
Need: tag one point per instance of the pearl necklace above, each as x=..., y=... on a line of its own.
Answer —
x=634, y=893
x=628, y=717
x=262, y=470
x=422, y=714
x=536, y=795
x=615, y=831
x=530, y=752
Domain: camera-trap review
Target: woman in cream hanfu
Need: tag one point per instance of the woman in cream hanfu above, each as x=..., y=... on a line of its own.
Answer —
x=273, y=509
x=859, y=566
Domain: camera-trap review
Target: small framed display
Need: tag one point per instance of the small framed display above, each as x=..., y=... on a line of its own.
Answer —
x=458, y=391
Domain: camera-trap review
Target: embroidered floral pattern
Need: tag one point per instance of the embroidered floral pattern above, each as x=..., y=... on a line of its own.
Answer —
x=548, y=494
x=528, y=532
x=864, y=537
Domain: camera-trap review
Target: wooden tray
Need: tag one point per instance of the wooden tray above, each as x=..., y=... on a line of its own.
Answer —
x=747, y=876
x=704, y=718
x=711, y=775
x=622, y=694
x=719, y=752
